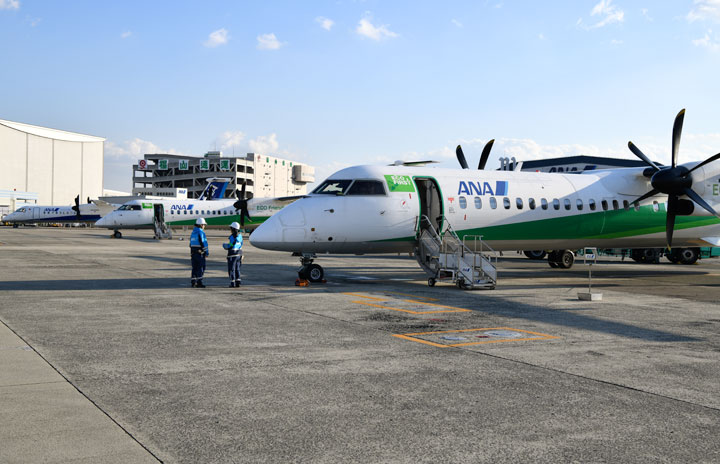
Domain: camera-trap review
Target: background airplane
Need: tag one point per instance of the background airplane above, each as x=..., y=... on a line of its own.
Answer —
x=166, y=213
x=390, y=209
x=31, y=214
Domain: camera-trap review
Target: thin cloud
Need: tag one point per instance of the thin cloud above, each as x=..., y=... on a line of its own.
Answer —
x=135, y=149
x=325, y=23
x=705, y=10
x=608, y=13
x=268, y=42
x=9, y=4
x=217, y=38
x=264, y=144
x=710, y=41
x=377, y=33
x=125, y=34
x=646, y=14
x=457, y=23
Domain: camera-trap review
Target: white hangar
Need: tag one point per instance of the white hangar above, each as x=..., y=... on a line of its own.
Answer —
x=55, y=165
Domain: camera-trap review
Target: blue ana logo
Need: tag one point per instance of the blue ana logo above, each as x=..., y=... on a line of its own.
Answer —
x=483, y=188
x=181, y=207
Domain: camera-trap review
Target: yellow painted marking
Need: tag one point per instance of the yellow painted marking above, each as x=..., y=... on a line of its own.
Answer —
x=449, y=309
x=456, y=310
x=411, y=337
x=414, y=296
x=363, y=296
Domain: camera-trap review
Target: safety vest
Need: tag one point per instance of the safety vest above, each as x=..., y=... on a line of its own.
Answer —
x=234, y=245
x=198, y=238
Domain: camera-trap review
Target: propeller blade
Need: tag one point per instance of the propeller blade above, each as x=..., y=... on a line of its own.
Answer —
x=677, y=131
x=709, y=160
x=642, y=156
x=242, y=190
x=485, y=154
x=76, y=208
x=670, y=219
x=461, y=157
x=647, y=195
x=698, y=199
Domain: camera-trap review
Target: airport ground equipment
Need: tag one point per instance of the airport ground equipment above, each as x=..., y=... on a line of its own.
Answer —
x=469, y=263
x=162, y=230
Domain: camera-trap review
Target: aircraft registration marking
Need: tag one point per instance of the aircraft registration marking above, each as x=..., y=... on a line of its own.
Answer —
x=488, y=336
x=413, y=300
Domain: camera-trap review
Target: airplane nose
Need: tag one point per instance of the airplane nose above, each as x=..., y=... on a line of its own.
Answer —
x=102, y=222
x=267, y=236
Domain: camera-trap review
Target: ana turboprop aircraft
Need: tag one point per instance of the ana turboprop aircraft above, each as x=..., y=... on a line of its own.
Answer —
x=147, y=214
x=57, y=214
x=384, y=209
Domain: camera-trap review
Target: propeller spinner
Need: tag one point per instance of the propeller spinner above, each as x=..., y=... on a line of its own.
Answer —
x=673, y=181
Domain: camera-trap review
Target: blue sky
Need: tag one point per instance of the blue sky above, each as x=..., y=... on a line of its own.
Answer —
x=339, y=83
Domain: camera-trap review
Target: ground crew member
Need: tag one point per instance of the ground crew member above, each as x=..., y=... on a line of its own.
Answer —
x=234, y=254
x=198, y=251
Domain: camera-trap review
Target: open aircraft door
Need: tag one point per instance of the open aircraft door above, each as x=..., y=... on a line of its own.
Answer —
x=430, y=203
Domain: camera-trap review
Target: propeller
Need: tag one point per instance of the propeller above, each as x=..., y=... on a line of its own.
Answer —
x=483, y=157
x=76, y=208
x=241, y=204
x=673, y=181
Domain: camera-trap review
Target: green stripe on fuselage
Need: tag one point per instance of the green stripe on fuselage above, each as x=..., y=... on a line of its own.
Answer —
x=604, y=224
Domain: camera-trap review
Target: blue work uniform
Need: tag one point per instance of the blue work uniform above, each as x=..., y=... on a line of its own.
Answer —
x=234, y=258
x=198, y=252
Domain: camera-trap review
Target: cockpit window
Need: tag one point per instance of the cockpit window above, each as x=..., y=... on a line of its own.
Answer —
x=367, y=187
x=129, y=208
x=20, y=210
x=333, y=187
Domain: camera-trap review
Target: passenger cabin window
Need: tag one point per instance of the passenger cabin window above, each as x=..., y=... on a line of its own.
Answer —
x=493, y=203
x=333, y=187
x=519, y=203
x=543, y=203
x=556, y=203
x=366, y=187
x=656, y=207
x=531, y=203
x=592, y=205
x=579, y=204
x=626, y=204
x=478, y=203
x=615, y=204
x=506, y=202
x=604, y=204
x=567, y=204
x=463, y=202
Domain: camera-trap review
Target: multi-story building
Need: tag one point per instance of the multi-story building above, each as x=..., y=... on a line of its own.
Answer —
x=264, y=176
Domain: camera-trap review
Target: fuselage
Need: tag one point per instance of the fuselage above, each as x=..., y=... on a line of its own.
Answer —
x=53, y=214
x=141, y=214
x=510, y=210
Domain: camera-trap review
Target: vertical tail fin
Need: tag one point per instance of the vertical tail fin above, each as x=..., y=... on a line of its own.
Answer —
x=215, y=189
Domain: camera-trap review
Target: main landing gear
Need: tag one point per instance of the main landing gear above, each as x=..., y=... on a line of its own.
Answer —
x=562, y=259
x=117, y=234
x=308, y=270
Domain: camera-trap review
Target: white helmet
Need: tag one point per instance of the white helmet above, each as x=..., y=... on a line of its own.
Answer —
x=235, y=226
x=200, y=222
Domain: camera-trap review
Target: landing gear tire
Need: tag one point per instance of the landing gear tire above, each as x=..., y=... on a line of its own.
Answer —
x=673, y=256
x=311, y=272
x=431, y=282
x=117, y=234
x=689, y=255
x=567, y=258
x=553, y=264
x=535, y=254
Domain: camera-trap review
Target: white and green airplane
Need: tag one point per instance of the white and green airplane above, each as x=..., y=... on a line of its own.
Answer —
x=380, y=209
x=145, y=213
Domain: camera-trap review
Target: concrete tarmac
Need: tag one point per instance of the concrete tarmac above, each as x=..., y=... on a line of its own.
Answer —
x=107, y=355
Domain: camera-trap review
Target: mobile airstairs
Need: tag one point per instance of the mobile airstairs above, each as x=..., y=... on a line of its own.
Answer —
x=469, y=263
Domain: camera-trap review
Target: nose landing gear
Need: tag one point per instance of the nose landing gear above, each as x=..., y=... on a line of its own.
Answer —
x=308, y=270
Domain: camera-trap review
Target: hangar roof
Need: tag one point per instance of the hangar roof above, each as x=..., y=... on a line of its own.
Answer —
x=51, y=133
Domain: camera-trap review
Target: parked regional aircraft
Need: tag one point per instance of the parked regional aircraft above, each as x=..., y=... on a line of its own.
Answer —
x=386, y=209
x=88, y=212
x=147, y=214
